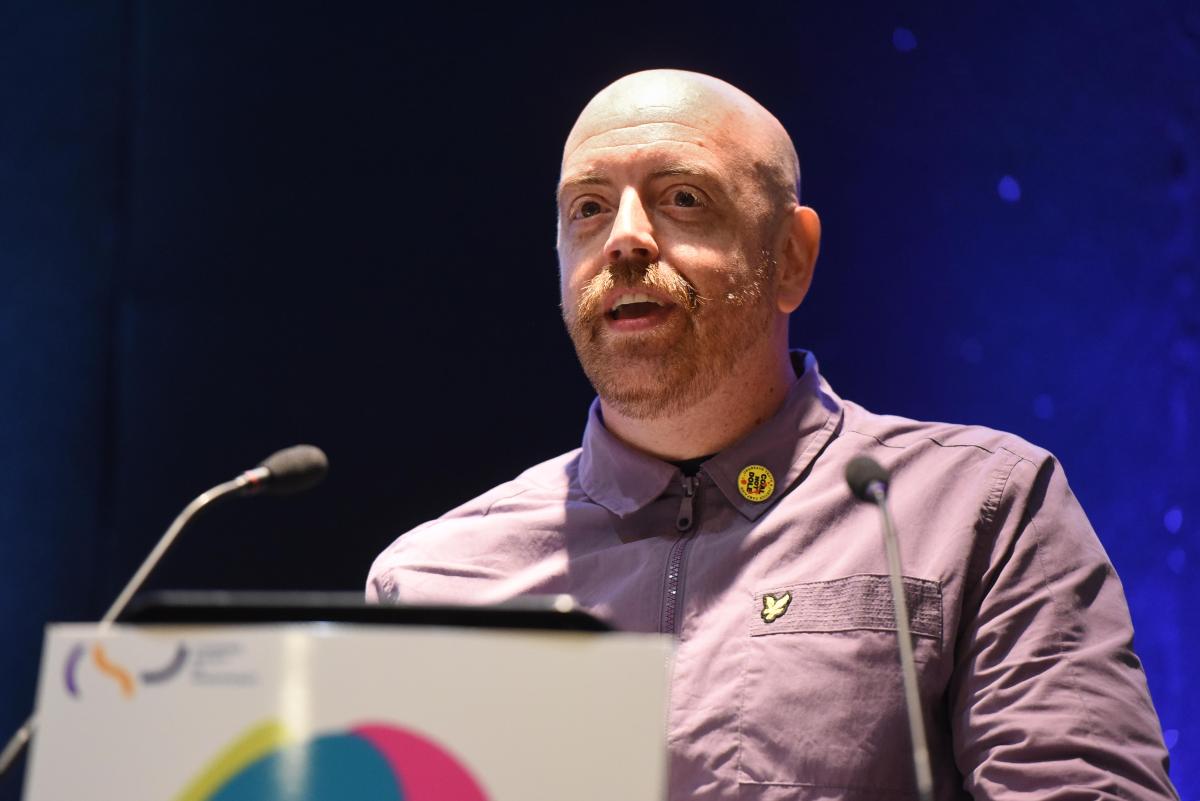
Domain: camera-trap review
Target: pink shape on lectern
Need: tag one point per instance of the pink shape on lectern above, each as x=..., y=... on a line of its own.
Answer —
x=428, y=772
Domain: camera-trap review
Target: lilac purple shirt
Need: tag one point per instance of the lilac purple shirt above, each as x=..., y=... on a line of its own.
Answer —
x=786, y=682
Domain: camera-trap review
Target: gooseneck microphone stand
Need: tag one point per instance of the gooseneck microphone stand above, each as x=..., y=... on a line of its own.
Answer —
x=290, y=470
x=869, y=482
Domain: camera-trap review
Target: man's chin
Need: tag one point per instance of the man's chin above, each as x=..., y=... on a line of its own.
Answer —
x=654, y=402
x=629, y=359
x=642, y=389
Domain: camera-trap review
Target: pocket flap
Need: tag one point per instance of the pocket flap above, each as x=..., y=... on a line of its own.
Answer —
x=847, y=604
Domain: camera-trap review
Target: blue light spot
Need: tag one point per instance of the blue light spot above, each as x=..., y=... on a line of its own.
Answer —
x=971, y=350
x=1043, y=407
x=1171, y=738
x=1173, y=519
x=1176, y=560
x=1009, y=189
x=904, y=40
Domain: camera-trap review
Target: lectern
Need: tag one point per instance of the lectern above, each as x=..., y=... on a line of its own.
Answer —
x=348, y=711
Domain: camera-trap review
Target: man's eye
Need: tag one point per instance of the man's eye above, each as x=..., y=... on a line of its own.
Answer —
x=685, y=198
x=589, y=208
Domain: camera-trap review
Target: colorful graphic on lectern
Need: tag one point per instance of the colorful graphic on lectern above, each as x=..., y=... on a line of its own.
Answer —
x=374, y=762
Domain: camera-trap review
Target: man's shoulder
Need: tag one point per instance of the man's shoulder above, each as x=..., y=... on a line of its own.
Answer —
x=476, y=539
x=953, y=442
x=518, y=503
x=552, y=481
x=995, y=478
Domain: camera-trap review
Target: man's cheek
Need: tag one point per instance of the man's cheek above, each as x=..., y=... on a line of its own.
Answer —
x=570, y=284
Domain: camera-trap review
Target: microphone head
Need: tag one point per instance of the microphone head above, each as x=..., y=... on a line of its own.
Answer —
x=861, y=473
x=294, y=469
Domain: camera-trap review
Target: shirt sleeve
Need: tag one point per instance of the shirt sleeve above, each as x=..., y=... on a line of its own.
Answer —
x=1048, y=699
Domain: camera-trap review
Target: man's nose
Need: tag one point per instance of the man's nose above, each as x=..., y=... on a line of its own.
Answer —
x=632, y=236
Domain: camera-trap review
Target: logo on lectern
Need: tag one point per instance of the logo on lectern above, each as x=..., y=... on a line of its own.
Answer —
x=120, y=675
x=372, y=762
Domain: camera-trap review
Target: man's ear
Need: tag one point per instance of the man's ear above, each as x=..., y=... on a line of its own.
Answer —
x=798, y=257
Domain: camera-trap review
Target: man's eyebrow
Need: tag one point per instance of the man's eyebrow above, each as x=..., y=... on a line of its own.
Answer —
x=685, y=169
x=672, y=169
x=590, y=178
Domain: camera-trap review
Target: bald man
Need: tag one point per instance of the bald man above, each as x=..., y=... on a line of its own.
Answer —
x=708, y=502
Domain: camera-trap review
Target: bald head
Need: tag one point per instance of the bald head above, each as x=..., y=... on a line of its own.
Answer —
x=675, y=101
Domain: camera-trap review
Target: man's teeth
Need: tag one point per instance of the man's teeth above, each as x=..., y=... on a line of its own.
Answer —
x=631, y=298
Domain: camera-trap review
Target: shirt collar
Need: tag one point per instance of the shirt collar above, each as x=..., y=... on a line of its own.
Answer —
x=624, y=480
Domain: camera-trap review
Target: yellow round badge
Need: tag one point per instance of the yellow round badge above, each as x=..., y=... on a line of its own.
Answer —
x=756, y=483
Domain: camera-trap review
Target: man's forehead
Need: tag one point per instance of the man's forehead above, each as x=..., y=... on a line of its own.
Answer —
x=624, y=133
x=622, y=112
x=639, y=143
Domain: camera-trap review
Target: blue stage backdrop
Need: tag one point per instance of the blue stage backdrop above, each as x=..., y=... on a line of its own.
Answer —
x=224, y=229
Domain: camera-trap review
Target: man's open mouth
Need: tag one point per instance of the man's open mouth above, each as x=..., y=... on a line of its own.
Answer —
x=633, y=305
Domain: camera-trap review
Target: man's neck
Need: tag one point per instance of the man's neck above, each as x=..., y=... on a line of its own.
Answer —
x=721, y=419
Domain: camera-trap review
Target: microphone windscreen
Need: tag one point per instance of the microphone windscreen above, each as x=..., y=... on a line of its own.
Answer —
x=294, y=469
x=861, y=473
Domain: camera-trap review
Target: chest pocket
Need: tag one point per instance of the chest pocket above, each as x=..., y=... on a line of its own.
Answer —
x=822, y=696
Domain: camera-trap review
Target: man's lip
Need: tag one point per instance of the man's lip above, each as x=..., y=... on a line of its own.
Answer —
x=630, y=325
x=611, y=297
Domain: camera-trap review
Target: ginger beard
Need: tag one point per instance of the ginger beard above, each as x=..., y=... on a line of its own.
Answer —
x=671, y=367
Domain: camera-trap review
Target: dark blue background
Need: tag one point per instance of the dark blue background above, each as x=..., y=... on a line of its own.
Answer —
x=226, y=229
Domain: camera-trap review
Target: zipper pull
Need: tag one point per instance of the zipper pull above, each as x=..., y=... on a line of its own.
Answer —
x=687, y=516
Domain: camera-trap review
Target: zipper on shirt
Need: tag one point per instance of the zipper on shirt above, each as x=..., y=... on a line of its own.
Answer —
x=685, y=522
x=687, y=511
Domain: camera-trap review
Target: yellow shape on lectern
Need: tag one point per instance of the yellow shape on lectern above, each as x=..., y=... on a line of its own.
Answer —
x=255, y=743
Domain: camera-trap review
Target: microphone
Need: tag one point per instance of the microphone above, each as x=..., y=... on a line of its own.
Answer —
x=290, y=470
x=869, y=482
x=284, y=472
x=867, y=479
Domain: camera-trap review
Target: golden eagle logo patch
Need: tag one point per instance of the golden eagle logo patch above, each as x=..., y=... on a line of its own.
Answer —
x=774, y=606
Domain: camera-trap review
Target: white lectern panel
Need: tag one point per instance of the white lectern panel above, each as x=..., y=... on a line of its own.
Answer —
x=348, y=713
